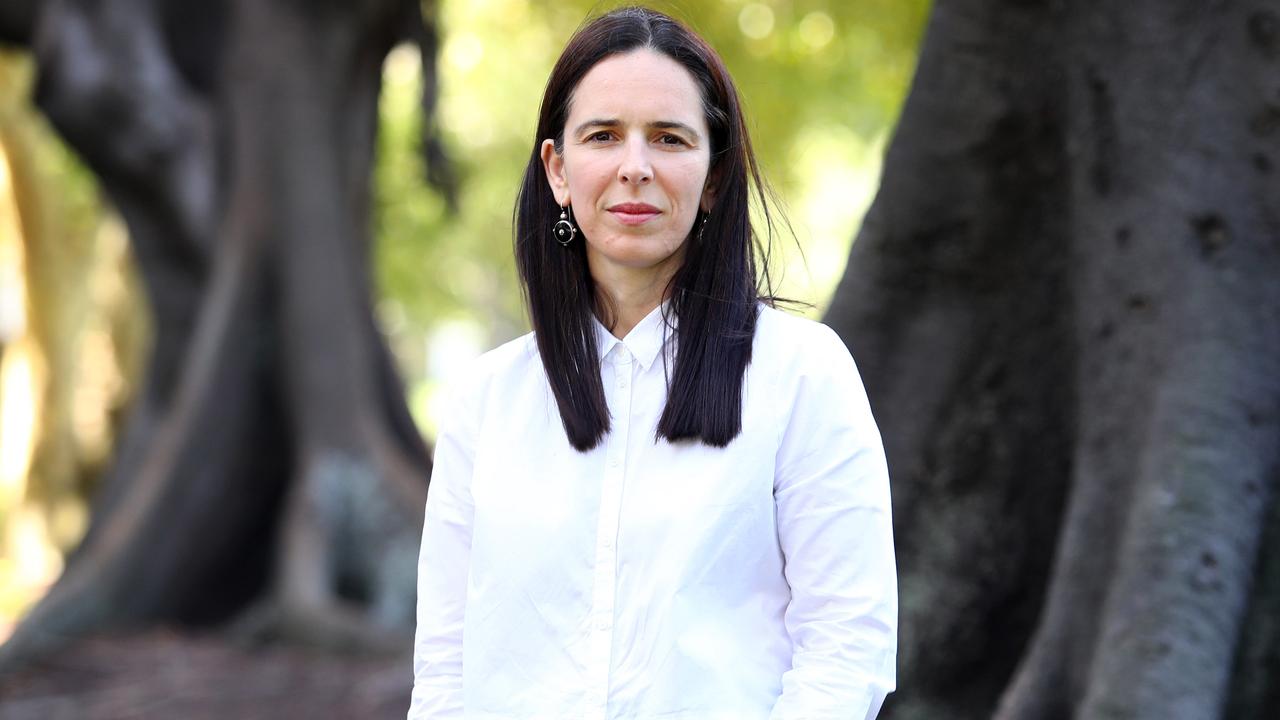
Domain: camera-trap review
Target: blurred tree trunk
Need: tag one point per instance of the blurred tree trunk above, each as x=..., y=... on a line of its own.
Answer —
x=270, y=469
x=1065, y=305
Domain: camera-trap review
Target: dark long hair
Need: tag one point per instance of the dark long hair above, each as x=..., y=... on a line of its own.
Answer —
x=715, y=294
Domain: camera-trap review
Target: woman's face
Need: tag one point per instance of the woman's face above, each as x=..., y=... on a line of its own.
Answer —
x=635, y=162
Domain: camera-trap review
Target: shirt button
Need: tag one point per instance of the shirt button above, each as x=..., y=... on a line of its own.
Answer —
x=613, y=462
x=602, y=625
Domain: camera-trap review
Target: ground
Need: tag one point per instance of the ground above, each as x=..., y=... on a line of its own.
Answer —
x=169, y=675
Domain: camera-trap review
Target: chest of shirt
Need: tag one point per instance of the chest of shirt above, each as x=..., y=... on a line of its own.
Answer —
x=530, y=484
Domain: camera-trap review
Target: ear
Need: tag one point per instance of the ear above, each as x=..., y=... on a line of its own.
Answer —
x=709, y=192
x=553, y=165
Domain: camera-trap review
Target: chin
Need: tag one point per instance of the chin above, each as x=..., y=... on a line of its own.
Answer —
x=641, y=263
x=640, y=257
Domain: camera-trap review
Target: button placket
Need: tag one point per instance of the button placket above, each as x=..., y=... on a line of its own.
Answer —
x=605, y=581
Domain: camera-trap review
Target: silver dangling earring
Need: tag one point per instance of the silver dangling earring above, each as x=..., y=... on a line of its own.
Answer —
x=564, y=229
x=702, y=228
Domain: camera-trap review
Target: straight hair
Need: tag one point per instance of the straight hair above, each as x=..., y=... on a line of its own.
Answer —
x=715, y=295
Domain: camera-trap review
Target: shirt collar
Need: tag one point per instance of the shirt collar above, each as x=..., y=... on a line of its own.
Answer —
x=645, y=339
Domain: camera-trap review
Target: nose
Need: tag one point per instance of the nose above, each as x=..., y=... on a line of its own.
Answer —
x=635, y=167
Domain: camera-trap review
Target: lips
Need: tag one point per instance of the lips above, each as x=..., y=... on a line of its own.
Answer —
x=634, y=213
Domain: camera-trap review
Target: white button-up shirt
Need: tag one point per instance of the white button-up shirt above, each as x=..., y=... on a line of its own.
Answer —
x=647, y=580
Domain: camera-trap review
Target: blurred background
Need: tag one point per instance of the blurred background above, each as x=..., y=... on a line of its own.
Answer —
x=244, y=244
x=822, y=82
x=74, y=321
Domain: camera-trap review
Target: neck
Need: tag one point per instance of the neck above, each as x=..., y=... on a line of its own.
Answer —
x=631, y=293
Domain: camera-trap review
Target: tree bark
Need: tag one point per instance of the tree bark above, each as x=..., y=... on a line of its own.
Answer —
x=17, y=20
x=1063, y=301
x=270, y=471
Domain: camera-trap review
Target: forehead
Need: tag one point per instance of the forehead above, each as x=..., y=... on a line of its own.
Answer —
x=640, y=85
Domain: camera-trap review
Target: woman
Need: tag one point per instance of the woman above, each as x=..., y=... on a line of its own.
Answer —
x=670, y=500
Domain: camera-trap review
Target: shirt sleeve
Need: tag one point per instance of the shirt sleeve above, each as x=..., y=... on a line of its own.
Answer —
x=831, y=490
x=443, y=568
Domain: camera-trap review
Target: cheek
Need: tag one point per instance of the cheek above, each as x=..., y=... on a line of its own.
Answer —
x=587, y=178
x=689, y=178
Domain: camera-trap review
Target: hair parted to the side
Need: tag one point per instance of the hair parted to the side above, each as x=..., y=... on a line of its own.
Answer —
x=716, y=293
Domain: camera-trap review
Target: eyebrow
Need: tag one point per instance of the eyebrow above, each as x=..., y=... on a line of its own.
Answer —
x=660, y=124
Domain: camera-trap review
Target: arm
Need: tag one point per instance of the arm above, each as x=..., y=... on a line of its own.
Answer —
x=443, y=567
x=831, y=489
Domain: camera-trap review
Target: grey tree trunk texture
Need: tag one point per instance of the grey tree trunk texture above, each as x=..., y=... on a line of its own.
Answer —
x=270, y=470
x=1065, y=302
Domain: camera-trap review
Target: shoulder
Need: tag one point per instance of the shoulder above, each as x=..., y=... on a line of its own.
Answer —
x=497, y=367
x=511, y=355
x=818, y=391
x=790, y=342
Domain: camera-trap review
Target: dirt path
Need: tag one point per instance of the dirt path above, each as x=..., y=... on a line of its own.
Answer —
x=166, y=675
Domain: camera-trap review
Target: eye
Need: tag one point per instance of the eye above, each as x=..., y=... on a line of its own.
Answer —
x=602, y=136
x=669, y=139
